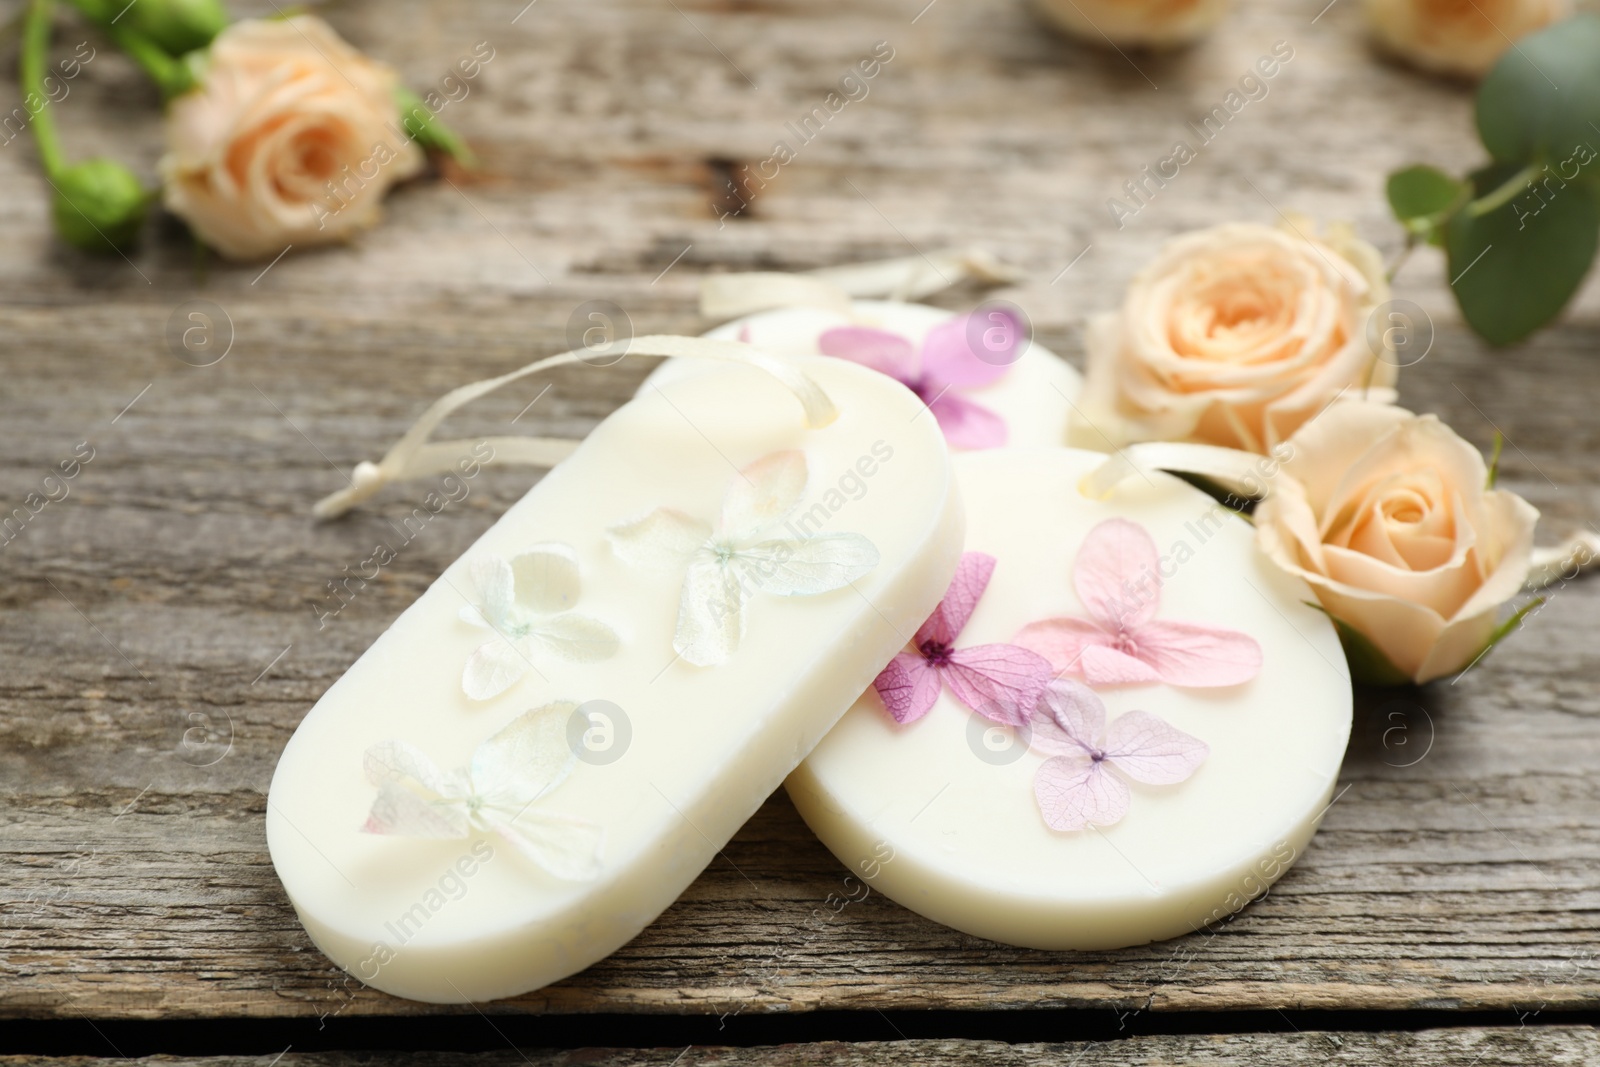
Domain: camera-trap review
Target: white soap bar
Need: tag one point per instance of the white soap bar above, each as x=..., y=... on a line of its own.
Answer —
x=1034, y=396
x=641, y=765
x=951, y=797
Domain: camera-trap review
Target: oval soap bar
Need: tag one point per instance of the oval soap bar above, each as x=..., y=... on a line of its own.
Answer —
x=543, y=751
x=1030, y=389
x=1175, y=768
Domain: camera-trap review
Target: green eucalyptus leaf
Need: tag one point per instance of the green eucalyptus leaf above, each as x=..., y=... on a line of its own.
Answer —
x=1514, y=268
x=1543, y=98
x=1422, y=197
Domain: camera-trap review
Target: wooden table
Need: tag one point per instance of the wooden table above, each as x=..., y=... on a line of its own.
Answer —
x=1447, y=912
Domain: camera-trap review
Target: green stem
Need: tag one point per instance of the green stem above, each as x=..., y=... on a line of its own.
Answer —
x=172, y=76
x=35, y=46
x=1508, y=191
x=1400, y=260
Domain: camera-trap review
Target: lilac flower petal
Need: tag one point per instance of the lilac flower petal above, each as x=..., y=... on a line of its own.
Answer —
x=966, y=424
x=999, y=682
x=950, y=358
x=1062, y=641
x=1068, y=718
x=1149, y=750
x=1075, y=793
x=885, y=353
x=909, y=687
x=1108, y=666
x=1194, y=654
x=950, y=617
x=1115, y=575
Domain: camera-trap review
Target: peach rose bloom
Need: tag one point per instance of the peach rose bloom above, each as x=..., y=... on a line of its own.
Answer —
x=1385, y=514
x=1144, y=23
x=1235, y=336
x=1458, y=36
x=292, y=137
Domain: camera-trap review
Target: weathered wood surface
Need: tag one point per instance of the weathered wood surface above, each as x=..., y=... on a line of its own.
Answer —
x=177, y=588
x=1466, y=1047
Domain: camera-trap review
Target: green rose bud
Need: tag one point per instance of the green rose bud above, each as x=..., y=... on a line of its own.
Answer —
x=99, y=206
x=178, y=26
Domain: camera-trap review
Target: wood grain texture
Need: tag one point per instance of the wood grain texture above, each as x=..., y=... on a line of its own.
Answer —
x=1466, y=1047
x=159, y=627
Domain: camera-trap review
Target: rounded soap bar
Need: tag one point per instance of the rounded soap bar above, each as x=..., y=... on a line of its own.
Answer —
x=1032, y=392
x=543, y=751
x=1183, y=803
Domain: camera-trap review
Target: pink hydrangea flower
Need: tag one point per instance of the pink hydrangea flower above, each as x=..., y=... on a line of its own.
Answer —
x=946, y=366
x=1000, y=682
x=1117, y=579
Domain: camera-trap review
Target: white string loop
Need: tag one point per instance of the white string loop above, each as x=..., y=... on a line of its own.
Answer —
x=414, y=456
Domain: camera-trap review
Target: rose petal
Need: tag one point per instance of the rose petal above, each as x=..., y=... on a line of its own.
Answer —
x=1323, y=448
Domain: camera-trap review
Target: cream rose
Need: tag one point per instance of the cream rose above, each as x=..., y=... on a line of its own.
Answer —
x=1147, y=23
x=1386, y=515
x=1234, y=336
x=292, y=137
x=1458, y=36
